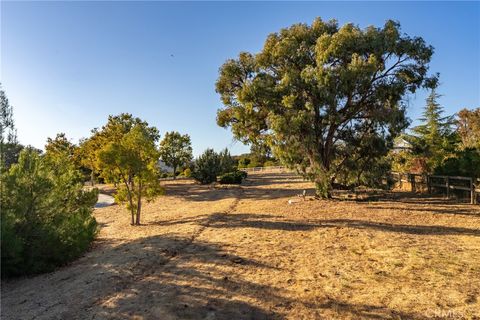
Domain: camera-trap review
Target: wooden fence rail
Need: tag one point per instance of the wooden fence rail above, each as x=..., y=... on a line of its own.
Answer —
x=417, y=181
x=437, y=181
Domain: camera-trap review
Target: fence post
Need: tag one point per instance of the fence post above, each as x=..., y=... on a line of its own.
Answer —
x=448, y=187
x=472, y=192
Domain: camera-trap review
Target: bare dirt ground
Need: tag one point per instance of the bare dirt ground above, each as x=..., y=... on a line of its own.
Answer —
x=245, y=253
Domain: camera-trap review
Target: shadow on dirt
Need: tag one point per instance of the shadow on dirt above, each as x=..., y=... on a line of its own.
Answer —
x=168, y=278
x=272, y=222
x=157, y=277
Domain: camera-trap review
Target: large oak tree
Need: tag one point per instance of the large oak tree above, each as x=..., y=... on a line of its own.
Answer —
x=316, y=92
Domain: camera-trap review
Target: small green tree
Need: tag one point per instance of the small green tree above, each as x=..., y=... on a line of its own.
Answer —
x=207, y=167
x=227, y=164
x=46, y=215
x=176, y=150
x=131, y=159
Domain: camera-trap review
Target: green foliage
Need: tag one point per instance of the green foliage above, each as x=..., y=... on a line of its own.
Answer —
x=434, y=139
x=11, y=153
x=254, y=164
x=227, y=164
x=59, y=147
x=46, y=215
x=87, y=153
x=187, y=173
x=270, y=163
x=468, y=127
x=465, y=162
x=207, y=167
x=243, y=162
x=176, y=150
x=234, y=177
x=9, y=147
x=8, y=133
x=315, y=92
x=130, y=159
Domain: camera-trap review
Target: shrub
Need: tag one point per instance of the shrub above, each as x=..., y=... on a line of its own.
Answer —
x=227, y=164
x=463, y=163
x=187, y=173
x=254, y=164
x=234, y=177
x=207, y=167
x=243, y=162
x=270, y=163
x=46, y=215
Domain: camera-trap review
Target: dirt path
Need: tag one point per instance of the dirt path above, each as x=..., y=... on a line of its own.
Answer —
x=245, y=253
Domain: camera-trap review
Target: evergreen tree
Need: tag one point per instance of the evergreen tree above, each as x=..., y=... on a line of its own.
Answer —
x=435, y=138
x=8, y=134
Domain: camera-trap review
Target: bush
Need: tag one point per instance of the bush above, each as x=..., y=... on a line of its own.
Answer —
x=234, y=177
x=270, y=163
x=463, y=163
x=243, y=174
x=254, y=164
x=46, y=215
x=187, y=173
x=227, y=164
x=207, y=167
x=243, y=162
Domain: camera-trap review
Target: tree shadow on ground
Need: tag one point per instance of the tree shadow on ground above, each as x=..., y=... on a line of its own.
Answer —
x=160, y=277
x=273, y=222
x=196, y=192
x=438, y=209
x=164, y=277
x=170, y=277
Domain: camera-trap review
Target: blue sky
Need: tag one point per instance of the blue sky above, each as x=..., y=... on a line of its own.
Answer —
x=66, y=66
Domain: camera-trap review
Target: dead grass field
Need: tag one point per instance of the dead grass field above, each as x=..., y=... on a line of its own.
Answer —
x=245, y=253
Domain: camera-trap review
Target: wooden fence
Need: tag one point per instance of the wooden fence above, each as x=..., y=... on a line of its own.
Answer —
x=420, y=182
x=414, y=182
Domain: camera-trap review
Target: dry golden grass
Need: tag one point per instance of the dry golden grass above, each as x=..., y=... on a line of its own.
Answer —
x=245, y=253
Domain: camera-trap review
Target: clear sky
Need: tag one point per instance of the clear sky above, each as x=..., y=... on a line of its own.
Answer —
x=66, y=66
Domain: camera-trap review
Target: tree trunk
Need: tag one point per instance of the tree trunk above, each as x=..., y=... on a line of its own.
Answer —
x=92, y=178
x=139, y=203
x=174, y=172
x=323, y=187
x=130, y=200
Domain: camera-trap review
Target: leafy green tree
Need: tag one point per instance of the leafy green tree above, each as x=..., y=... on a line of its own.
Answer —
x=176, y=150
x=60, y=145
x=87, y=153
x=435, y=138
x=207, y=167
x=468, y=128
x=46, y=215
x=314, y=87
x=131, y=159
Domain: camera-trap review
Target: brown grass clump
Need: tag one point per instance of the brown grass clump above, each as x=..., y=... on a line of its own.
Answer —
x=245, y=253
